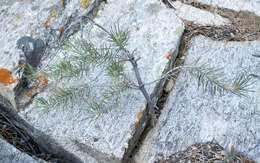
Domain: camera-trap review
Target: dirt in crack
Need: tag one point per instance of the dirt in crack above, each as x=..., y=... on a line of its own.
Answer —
x=22, y=141
x=246, y=23
x=28, y=139
x=19, y=138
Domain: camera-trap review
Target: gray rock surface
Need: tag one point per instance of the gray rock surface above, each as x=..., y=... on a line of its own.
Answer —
x=196, y=15
x=154, y=31
x=8, y=93
x=237, y=5
x=9, y=154
x=28, y=18
x=19, y=19
x=191, y=116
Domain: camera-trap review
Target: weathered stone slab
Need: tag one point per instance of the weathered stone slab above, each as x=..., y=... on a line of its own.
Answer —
x=237, y=5
x=196, y=15
x=191, y=116
x=154, y=31
x=32, y=19
x=19, y=19
x=10, y=154
x=8, y=93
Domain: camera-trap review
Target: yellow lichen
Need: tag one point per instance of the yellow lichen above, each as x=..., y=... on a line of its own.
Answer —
x=53, y=13
x=84, y=3
x=95, y=14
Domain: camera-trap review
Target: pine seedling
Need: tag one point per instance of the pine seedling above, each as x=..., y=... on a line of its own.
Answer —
x=107, y=57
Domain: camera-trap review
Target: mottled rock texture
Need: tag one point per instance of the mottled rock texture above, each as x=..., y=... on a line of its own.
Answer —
x=196, y=15
x=191, y=116
x=238, y=5
x=154, y=31
x=10, y=154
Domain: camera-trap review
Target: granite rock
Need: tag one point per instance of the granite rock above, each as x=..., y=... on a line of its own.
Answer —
x=237, y=5
x=154, y=31
x=10, y=154
x=192, y=116
x=196, y=15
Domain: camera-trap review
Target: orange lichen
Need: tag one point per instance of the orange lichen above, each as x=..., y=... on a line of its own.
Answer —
x=169, y=55
x=136, y=123
x=40, y=82
x=29, y=94
x=60, y=29
x=58, y=36
x=47, y=26
x=36, y=83
x=40, y=87
x=139, y=114
x=6, y=77
x=123, y=148
x=45, y=81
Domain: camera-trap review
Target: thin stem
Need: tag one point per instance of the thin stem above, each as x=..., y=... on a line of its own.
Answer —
x=135, y=67
x=169, y=72
x=99, y=26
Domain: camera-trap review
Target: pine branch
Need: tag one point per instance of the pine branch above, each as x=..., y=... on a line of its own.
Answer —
x=211, y=79
x=119, y=38
x=64, y=69
x=96, y=109
x=61, y=97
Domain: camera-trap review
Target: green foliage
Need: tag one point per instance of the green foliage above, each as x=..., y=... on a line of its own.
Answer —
x=96, y=109
x=61, y=97
x=86, y=57
x=115, y=70
x=231, y=156
x=87, y=53
x=213, y=80
x=64, y=69
x=118, y=37
x=30, y=72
